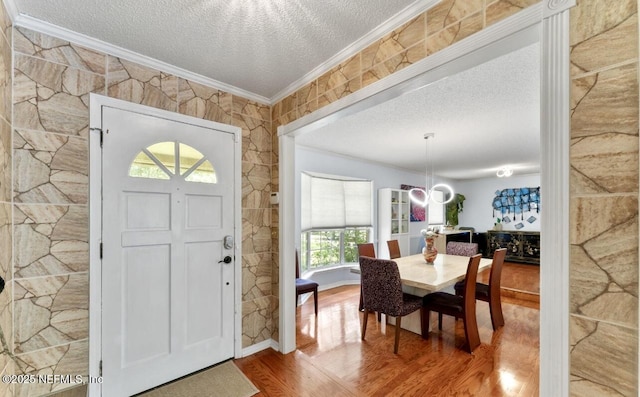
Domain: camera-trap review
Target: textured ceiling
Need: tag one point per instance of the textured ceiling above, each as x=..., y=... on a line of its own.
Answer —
x=261, y=46
x=482, y=118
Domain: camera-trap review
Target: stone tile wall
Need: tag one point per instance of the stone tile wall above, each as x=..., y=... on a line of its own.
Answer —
x=52, y=82
x=6, y=233
x=604, y=198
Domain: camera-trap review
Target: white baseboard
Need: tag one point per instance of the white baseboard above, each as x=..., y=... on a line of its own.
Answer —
x=338, y=284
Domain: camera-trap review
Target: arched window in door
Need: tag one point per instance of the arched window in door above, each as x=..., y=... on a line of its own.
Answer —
x=172, y=159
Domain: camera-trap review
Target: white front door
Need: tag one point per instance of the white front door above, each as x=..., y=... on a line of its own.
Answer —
x=168, y=218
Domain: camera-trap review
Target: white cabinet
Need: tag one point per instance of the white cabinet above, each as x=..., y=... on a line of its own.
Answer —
x=393, y=220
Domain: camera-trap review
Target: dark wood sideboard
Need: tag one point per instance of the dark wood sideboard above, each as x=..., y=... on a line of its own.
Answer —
x=521, y=246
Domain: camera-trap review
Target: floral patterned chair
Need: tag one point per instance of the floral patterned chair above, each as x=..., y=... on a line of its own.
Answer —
x=382, y=293
x=462, y=249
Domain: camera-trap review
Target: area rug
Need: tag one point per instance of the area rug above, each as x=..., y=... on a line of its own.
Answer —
x=221, y=380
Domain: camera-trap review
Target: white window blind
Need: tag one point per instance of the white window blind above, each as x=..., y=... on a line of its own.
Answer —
x=333, y=202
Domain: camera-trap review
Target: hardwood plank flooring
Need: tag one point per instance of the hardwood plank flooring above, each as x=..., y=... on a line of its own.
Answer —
x=331, y=360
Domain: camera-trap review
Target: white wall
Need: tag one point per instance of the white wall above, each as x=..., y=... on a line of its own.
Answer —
x=479, y=195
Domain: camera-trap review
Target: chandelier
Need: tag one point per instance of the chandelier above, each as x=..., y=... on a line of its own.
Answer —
x=504, y=172
x=422, y=197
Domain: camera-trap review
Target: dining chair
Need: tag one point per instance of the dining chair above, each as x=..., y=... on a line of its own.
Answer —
x=457, y=306
x=382, y=290
x=394, y=249
x=304, y=286
x=491, y=292
x=462, y=249
x=365, y=249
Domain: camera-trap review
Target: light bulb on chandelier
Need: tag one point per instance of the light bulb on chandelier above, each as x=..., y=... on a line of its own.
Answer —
x=504, y=172
x=422, y=197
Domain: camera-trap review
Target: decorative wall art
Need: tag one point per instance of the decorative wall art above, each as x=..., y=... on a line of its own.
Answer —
x=417, y=213
x=511, y=204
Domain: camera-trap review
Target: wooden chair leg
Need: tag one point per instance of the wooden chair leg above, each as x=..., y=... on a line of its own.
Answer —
x=424, y=317
x=471, y=331
x=440, y=321
x=361, y=306
x=495, y=307
x=315, y=300
x=364, y=323
x=379, y=317
x=395, y=346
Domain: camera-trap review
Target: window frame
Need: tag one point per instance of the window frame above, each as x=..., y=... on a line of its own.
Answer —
x=306, y=251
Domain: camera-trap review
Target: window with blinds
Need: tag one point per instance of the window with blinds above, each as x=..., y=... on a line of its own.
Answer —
x=336, y=215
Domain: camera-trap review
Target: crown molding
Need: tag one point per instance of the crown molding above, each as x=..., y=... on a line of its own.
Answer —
x=352, y=49
x=38, y=25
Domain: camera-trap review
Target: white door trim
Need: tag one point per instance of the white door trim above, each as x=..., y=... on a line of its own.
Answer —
x=551, y=21
x=95, y=220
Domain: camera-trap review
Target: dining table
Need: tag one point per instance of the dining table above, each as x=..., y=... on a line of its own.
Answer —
x=421, y=278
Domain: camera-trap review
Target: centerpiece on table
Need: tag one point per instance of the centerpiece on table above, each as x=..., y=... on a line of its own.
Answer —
x=429, y=251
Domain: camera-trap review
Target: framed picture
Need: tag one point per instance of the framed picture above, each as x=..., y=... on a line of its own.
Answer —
x=417, y=213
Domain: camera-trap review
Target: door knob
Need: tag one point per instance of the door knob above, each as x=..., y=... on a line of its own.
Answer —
x=227, y=259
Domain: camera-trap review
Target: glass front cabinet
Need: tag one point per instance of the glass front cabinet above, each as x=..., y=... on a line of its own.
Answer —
x=393, y=220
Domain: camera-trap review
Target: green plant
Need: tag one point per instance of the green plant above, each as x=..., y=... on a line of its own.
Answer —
x=454, y=207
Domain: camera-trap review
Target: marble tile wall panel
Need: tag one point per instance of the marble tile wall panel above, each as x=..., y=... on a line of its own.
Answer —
x=50, y=168
x=50, y=311
x=6, y=154
x=6, y=77
x=448, y=12
x=256, y=276
x=604, y=258
x=307, y=95
x=603, y=359
x=502, y=9
x=394, y=64
x=394, y=43
x=50, y=240
x=454, y=33
x=251, y=108
x=203, y=102
x=605, y=102
x=6, y=246
x=256, y=185
x=5, y=23
x=275, y=318
x=256, y=139
x=7, y=389
x=339, y=75
x=139, y=84
x=606, y=163
x=604, y=207
x=40, y=45
x=339, y=92
x=287, y=105
x=256, y=321
x=593, y=32
x=68, y=359
x=256, y=231
x=52, y=97
x=6, y=326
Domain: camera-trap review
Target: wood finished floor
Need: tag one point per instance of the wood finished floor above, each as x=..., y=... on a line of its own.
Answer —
x=331, y=360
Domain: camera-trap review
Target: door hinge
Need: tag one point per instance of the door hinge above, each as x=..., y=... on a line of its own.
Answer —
x=100, y=369
x=100, y=250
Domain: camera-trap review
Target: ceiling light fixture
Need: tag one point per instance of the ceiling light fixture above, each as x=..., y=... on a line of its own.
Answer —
x=422, y=197
x=504, y=172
